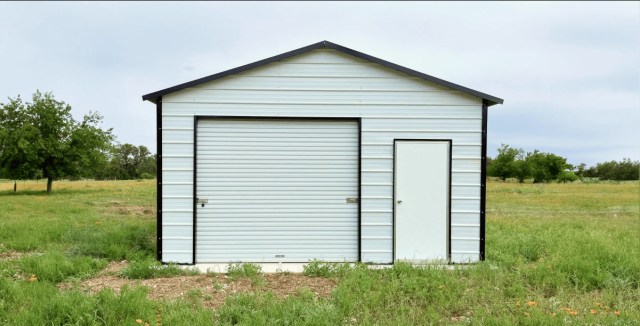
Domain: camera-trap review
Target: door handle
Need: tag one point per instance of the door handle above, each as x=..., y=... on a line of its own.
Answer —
x=202, y=201
x=352, y=200
x=399, y=202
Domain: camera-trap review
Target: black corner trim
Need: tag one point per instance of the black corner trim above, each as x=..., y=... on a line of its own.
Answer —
x=483, y=178
x=193, y=197
x=360, y=190
x=449, y=203
x=159, y=178
x=489, y=99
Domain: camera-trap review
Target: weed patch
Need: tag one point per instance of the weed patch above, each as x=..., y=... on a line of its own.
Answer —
x=55, y=267
x=317, y=268
x=267, y=309
x=112, y=240
x=243, y=270
x=44, y=304
x=146, y=269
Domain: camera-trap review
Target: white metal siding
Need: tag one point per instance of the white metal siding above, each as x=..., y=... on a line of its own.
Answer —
x=276, y=190
x=326, y=83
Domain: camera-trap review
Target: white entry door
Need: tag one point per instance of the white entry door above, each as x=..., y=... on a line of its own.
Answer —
x=421, y=195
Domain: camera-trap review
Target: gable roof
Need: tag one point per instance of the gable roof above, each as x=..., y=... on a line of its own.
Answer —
x=489, y=99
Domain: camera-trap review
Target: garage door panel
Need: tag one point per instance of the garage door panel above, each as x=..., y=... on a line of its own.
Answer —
x=334, y=219
x=298, y=181
x=277, y=190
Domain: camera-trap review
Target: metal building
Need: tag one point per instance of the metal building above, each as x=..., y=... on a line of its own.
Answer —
x=322, y=153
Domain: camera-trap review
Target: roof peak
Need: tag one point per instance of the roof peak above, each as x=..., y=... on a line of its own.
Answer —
x=489, y=99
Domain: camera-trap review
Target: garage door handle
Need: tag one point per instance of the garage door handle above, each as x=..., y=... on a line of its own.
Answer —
x=202, y=201
x=399, y=202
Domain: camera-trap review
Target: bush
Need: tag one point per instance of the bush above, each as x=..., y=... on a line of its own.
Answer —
x=567, y=176
x=147, y=175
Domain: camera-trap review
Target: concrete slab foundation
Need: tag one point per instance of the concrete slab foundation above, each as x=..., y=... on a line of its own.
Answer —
x=270, y=268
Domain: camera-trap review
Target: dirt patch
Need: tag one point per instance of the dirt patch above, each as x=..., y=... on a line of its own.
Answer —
x=136, y=210
x=114, y=267
x=115, y=207
x=9, y=255
x=211, y=289
x=287, y=284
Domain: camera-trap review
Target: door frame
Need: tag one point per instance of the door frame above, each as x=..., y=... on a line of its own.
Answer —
x=393, y=203
x=197, y=117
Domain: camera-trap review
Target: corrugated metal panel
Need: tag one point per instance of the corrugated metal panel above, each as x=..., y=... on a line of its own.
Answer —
x=245, y=82
x=323, y=83
x=293, y=97
x=270, y=197
x=390, y=111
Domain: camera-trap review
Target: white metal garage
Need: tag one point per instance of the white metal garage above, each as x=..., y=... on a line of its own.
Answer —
x=324, y=153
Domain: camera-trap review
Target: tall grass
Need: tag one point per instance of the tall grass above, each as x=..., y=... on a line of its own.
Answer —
x=556, y=254
x=55, y=267
x=146, y=269
x=41, y=303
x=80, y=218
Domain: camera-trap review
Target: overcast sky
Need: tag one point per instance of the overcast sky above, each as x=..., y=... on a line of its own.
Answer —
x=569, y=72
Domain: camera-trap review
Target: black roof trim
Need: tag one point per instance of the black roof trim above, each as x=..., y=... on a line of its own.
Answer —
x=324, y=44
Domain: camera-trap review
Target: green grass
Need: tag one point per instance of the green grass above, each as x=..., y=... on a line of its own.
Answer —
x=317, y=268
x=102, y=219
x=41, y=303
x=266, y=309
x=243, y=270
x=146, y=269
x=55, y=267
x=246, y=270
x=556, y=254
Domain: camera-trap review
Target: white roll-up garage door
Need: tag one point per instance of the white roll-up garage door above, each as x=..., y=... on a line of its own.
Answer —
x=280, y=190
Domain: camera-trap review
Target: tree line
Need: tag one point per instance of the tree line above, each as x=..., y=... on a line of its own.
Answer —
x=126, y=162
x=41, y=139
x=545, y=167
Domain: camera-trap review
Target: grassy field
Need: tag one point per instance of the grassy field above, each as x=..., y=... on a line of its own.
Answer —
x=556, y=254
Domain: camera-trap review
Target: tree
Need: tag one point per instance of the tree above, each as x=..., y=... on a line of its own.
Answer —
x=41, y=139
x=521, y=169
x=148, y=168
x=627, y=170
x=612, y=170
x=130, y=161
x=503, y=165
x=580, y=170
x=545, y=166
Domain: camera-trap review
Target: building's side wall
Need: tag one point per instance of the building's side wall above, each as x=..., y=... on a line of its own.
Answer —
x=326, y=83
